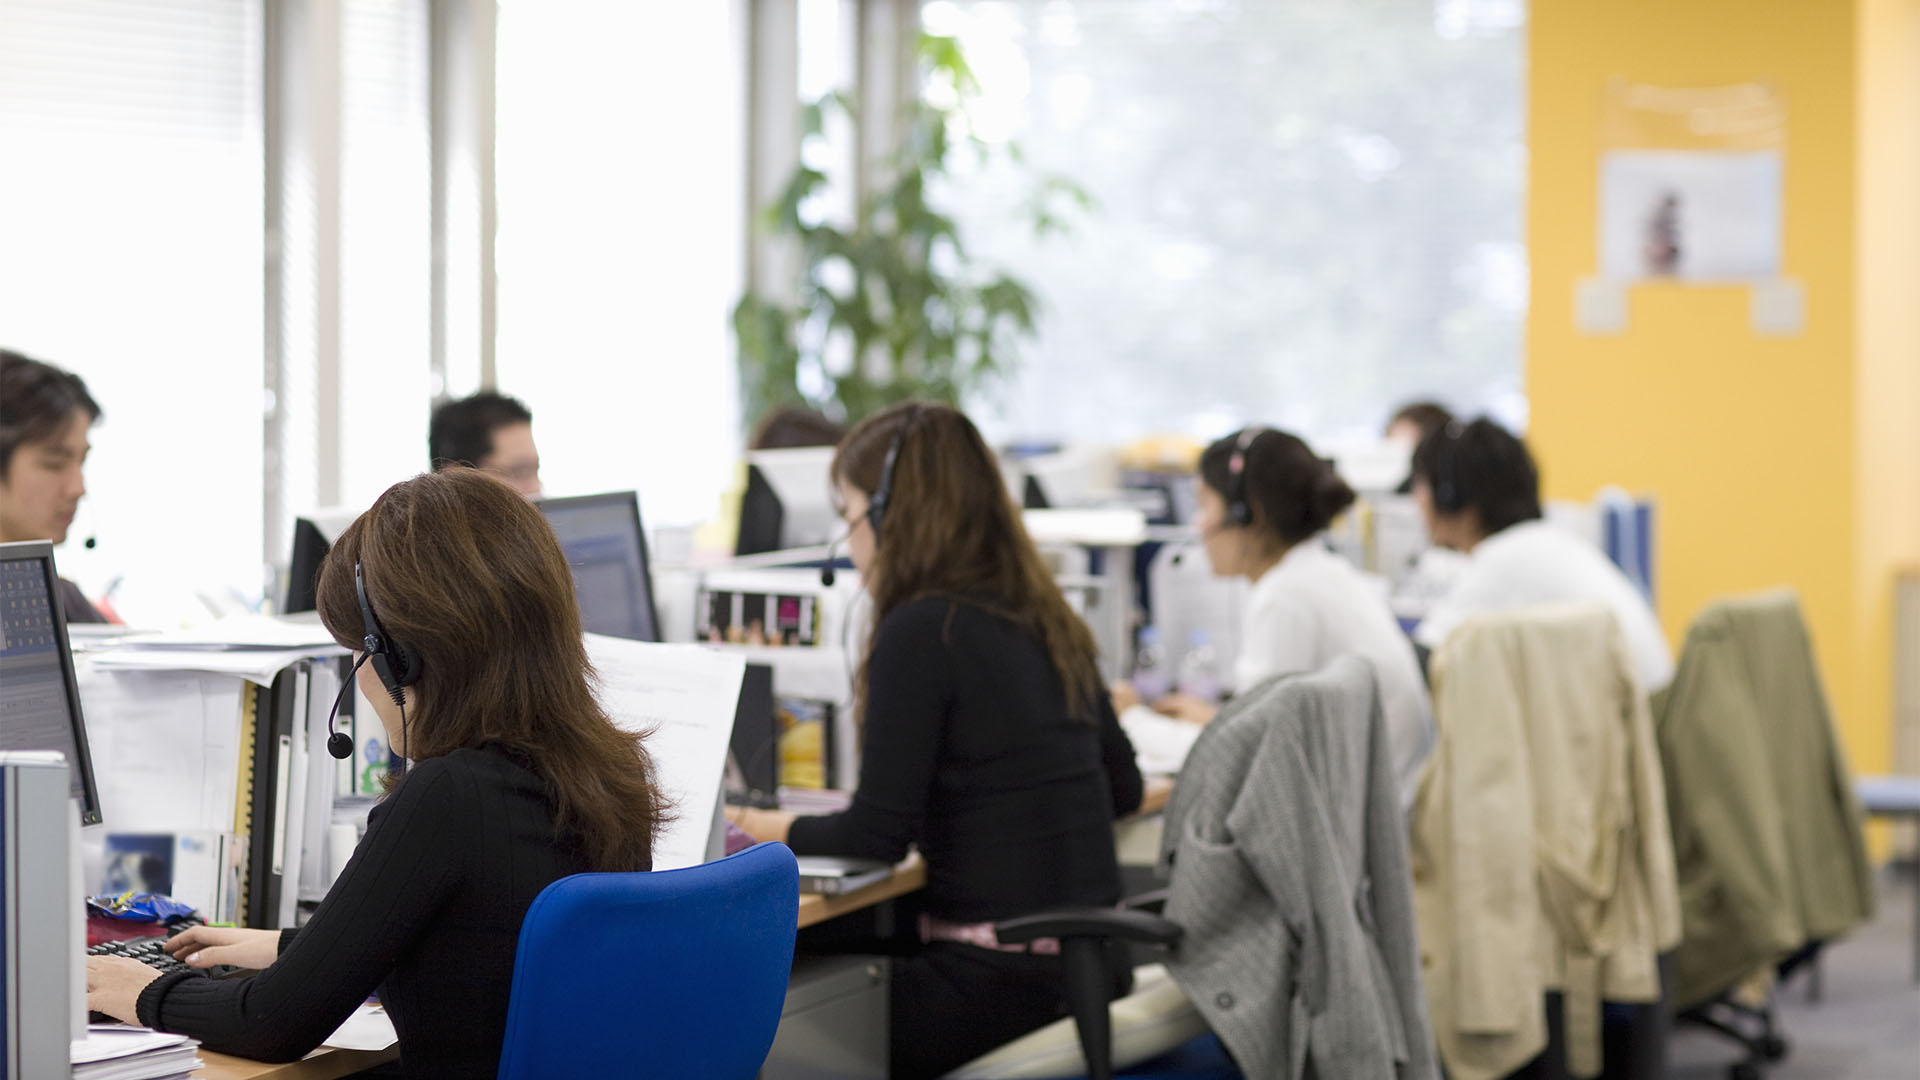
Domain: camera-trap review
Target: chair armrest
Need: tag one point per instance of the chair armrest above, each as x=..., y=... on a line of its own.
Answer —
x=1154, y=901
x=1117, y=924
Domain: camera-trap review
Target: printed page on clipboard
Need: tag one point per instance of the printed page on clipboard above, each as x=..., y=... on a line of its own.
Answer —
x=683, y=697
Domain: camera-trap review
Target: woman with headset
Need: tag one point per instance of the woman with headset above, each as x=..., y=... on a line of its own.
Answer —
x=1479, y=490
x=1264, y=498
x=986, y=738
x=457, y=598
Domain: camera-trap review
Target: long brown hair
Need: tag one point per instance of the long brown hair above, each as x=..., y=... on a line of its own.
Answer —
x=466, y=574
x=950, y=529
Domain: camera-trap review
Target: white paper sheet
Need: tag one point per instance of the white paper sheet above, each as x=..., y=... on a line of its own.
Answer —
x=369, y=1028
x=106, y=1042
x=243, y=632
x=165, y=746
x=684, y=696
x=254, y=665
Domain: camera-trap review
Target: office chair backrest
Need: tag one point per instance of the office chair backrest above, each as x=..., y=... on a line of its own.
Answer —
x=670, y=974
x=1767, y=832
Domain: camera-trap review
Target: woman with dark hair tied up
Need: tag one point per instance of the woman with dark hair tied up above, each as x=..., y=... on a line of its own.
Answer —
x=1264, y=499
x=519, y=778
x=986, y=740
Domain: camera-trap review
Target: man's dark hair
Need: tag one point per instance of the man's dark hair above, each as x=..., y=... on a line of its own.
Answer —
x=1293, y=492
x=1428, y=416
x=461, y=432
x=1483, y=467
x=792, y=426
x=37, y=400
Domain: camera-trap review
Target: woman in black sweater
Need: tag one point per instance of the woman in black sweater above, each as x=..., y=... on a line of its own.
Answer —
x=519, y=779
x=986, y=738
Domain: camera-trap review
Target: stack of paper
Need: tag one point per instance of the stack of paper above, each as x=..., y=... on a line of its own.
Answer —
x=253, y=646
x=118, y=1052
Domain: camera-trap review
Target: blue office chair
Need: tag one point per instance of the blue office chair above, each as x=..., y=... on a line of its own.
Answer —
x=672, y=974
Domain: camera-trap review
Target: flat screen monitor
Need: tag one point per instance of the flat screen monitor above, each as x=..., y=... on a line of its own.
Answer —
x=313, y=537
x=762, y=518
x=755, y=745
x=39, y=696
x=797, y=482
x=607, y=550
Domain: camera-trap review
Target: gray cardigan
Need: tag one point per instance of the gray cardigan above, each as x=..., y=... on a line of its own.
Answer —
x=1288, y=856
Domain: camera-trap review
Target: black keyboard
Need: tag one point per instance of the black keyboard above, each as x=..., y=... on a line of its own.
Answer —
x=146, y=950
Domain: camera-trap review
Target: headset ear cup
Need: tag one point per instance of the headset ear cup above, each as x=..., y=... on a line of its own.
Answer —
x=397, y=667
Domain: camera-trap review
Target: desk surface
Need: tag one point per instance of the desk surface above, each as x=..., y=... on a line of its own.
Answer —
x=1154, y=798
x=910, y=874
x=325, y=1063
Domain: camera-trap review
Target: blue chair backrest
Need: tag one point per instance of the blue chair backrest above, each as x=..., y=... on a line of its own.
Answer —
x=674, y=973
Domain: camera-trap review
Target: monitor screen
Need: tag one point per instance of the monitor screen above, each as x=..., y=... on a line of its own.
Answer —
x=608, y=552
x=800, y=481
x=310, y=549
x=313, y=536
x=39, y=697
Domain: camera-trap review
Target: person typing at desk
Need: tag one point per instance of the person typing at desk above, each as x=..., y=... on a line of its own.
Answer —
x=1263, y=500
x=456, y=589
x=986, y=738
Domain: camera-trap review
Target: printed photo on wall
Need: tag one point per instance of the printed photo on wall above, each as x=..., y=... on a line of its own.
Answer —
x=1690, y=215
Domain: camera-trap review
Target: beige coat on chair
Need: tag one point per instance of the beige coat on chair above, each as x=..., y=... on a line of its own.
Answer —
x=1541, y=856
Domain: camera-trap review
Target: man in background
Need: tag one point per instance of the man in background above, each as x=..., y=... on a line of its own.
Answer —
x=487, y=431
x=45, y=414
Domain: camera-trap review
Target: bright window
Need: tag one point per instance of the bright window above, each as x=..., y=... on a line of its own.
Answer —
x=130, y=219
x=1308, y=212
x=621, y=161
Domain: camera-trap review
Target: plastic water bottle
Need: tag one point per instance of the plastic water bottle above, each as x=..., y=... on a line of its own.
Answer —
x=1150, y=677
x=1199, y=677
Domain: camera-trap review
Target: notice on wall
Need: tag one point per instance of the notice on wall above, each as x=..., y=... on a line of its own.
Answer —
x=1690, y=183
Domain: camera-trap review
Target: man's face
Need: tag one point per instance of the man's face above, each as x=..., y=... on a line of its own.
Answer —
x=515, y=459
x=43, y=484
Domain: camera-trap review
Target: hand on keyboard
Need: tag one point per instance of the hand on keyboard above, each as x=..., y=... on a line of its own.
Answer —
x=113, y=985
x=210, y=948
x=154, y=952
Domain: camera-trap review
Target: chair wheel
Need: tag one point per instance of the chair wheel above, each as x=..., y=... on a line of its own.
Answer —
x=1743, y=1070
x=1773, y=1047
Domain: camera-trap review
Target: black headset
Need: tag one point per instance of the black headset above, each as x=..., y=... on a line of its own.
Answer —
x=396, y=667
x=883, y=493
x=1239, y=509
x=1443, y=466
x=882, y=496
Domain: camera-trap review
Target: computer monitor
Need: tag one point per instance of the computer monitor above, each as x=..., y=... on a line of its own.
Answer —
x=40, y=943
x=39, y=696
x=607, y=550
x=788, y=502
x=313, y=537
x=762, y=518
x=754, y=749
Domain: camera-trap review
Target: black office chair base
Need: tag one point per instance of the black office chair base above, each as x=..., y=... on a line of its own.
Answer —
x=1754, y=1029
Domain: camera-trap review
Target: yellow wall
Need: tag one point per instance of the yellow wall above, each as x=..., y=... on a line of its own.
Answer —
x=1887, y=388
x=1754, y=446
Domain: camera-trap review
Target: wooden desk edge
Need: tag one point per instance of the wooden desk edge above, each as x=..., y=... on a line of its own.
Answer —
x=1153, y=797
x=908, y=876
x=328, y=1064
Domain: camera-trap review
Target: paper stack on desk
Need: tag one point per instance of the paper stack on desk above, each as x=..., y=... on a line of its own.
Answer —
x=118, y=1052
x=255, y=647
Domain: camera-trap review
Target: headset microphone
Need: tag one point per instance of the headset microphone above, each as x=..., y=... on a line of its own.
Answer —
x=826, y=568
x=339, y=743
x=89, y=543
